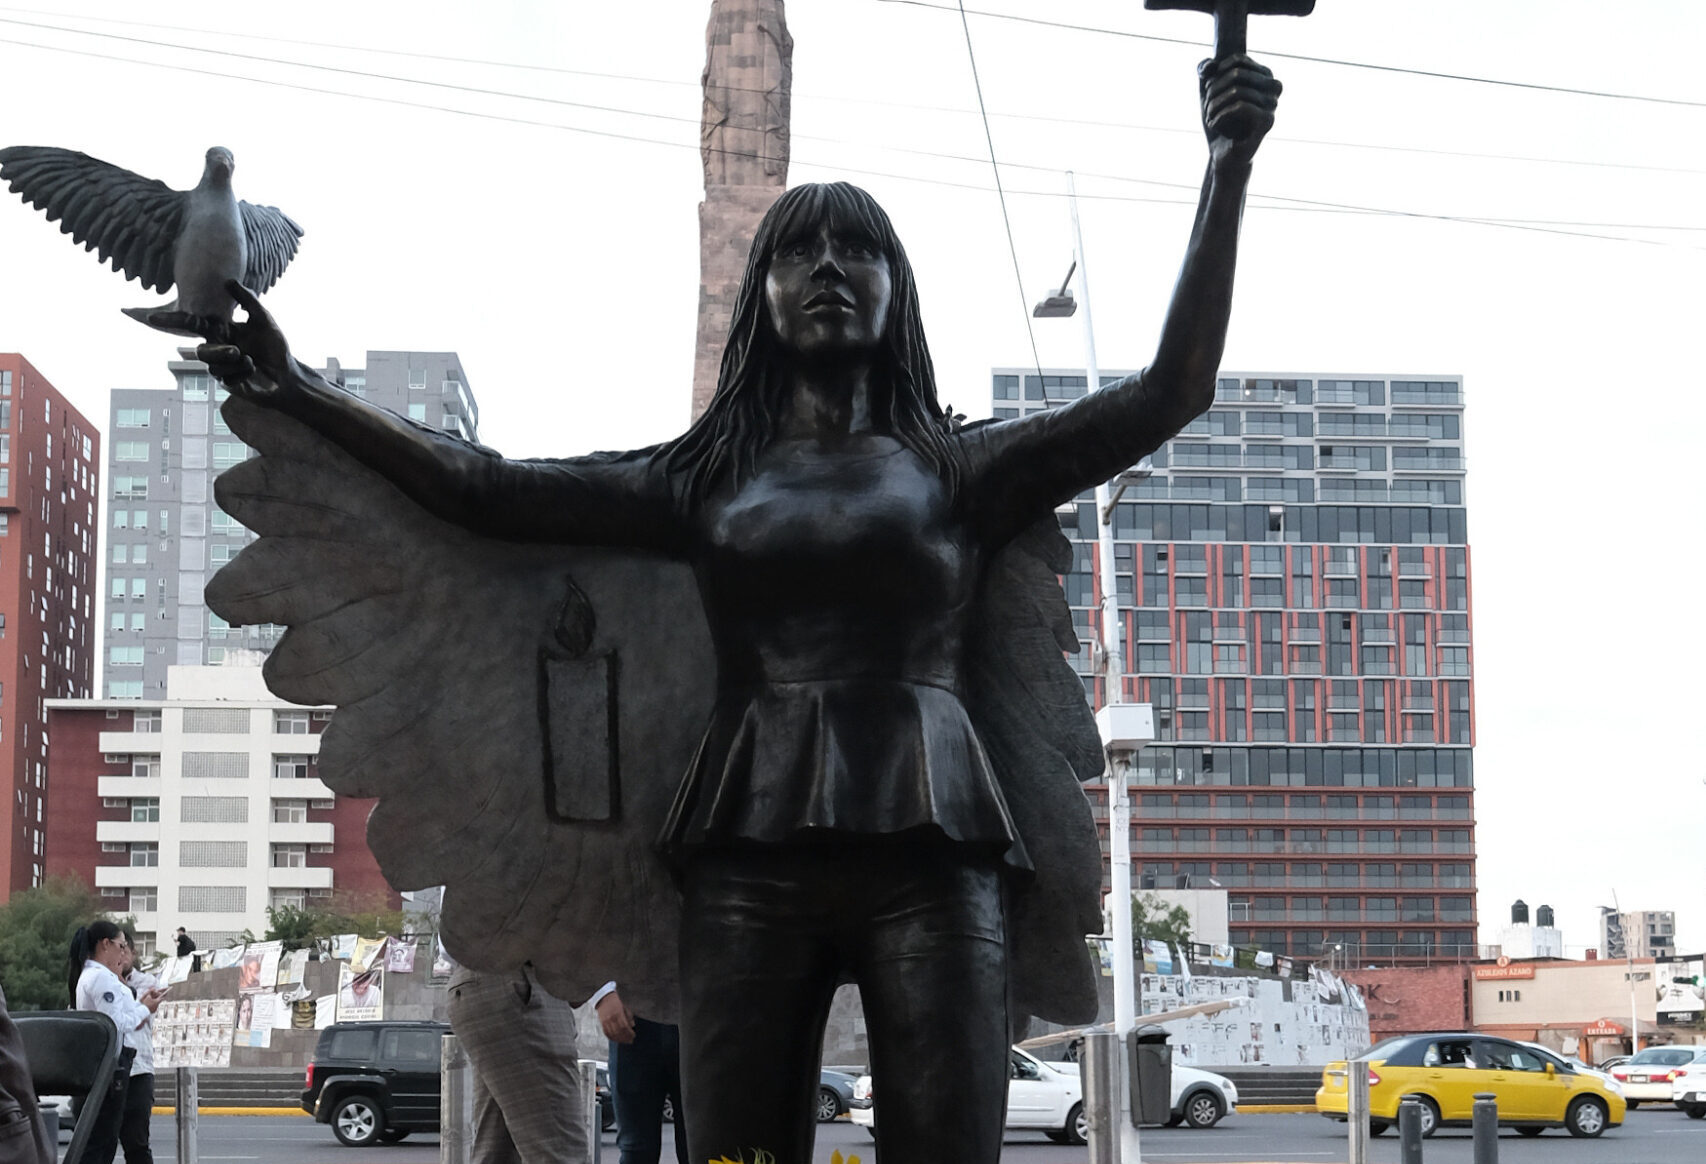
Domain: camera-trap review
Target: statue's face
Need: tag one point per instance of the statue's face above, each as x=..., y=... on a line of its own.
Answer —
x=828, y=292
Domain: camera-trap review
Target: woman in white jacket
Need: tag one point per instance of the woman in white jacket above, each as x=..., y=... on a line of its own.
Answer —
x=99, y=953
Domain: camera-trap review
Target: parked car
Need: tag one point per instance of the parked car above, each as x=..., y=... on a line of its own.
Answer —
x=1610, y=1061
x=377, y=1082
x=1535, y=1090
x=1579, y=1067
x=1689, y=1094
x=834, y=1096
x=1049, y=1097
x=1650, y=1075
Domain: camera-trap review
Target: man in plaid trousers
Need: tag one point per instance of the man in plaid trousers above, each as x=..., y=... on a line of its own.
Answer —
x=521, y=1040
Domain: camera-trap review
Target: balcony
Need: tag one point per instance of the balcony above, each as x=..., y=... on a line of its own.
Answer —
x=127, y=830
x=141, y=875
x=309, y=789
x=128, y=786
x=307, y=833
x=304, y=877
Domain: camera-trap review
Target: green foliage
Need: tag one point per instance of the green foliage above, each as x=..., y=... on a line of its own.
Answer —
x=1153, y=918
x=302, y=928
x=35, y=941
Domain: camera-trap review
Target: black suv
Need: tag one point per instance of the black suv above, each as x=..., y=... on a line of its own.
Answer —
x=380, y=1081
x=375, y=1081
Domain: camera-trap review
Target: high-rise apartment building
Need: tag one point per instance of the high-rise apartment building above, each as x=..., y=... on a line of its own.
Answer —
x=1637, y=933
x=166, y=536
x=204, y=808
x=1294, y=585
x=50, y=460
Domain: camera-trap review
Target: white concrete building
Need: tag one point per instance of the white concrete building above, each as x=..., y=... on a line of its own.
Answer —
x=203, y=809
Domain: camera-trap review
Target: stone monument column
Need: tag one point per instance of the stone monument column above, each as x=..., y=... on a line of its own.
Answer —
x=744, y=142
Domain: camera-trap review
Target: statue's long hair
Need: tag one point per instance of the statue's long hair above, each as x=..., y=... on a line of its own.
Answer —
x=724, y=444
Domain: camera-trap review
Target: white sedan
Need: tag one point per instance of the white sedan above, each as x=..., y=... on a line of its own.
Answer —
x=1049, y=1097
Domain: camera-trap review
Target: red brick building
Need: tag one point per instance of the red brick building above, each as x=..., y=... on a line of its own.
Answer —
x=50, y=459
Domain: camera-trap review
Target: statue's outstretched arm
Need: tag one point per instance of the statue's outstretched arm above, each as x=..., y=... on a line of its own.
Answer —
x=1020, y=468
x=602, y=499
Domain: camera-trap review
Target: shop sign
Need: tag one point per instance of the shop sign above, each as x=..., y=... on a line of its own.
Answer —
x=1513, y=970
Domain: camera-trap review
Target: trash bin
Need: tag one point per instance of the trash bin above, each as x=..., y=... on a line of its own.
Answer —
x=1151, y=1075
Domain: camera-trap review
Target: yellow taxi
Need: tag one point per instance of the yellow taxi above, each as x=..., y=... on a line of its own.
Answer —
x=1535, y=1089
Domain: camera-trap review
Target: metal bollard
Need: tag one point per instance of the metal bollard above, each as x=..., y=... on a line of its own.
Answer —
x=589, y=1110
x=1486, y=1128
x=1100, y=1060
x=1410, y=1131
x=456, y=1104
x=1356, y=1111
x=186, y=1114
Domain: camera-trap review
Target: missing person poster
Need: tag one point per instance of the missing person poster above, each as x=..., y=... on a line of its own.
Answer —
x=361, y=996
x=195, y=1033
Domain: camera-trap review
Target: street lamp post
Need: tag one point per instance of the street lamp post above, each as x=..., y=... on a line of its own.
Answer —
x=1125, y=727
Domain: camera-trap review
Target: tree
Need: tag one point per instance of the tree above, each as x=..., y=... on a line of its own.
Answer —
x=300, y=928
x=36, y=926
x=1153, y=918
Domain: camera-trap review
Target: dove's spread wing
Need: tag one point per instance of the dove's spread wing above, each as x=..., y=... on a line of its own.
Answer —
x=523, y=713
x=271, y=238
x=121, y=216
x=1030, y=712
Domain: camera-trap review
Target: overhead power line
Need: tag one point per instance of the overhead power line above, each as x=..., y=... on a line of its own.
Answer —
x=1314, y=206
x=910, y=106
x=1430, y=73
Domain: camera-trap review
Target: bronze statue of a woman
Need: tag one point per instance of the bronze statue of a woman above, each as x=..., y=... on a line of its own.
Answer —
x=876, y=787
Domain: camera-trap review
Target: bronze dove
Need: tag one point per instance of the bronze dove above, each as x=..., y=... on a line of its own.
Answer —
x=193, y=239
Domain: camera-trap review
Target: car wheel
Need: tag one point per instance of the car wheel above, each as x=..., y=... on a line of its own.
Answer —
x=1077, y=1129
x=1376, y=1128
x=356, y=1121
x=1631, y=1104
x=828, y=1105
x=1694, y=1111
x=1174, y=1120
x=1430, y=1115
x=1529, y=1131
x=1203, y=1109
x=394, y=1135
x=1587, y=1117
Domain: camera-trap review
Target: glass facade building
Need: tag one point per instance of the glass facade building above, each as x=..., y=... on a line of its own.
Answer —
x=1293, y=573
x=167, y=536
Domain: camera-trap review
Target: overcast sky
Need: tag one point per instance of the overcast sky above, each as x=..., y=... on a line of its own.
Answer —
x=518, y=182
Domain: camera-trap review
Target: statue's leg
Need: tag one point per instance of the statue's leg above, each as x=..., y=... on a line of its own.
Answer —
x=758, y=973
x=933, y=978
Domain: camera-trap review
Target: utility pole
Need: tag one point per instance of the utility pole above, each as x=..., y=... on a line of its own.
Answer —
x=743, y=142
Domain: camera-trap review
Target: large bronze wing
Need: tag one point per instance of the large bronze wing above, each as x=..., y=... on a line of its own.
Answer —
x=123, y=217
x=522, y=713
x=1031, y=714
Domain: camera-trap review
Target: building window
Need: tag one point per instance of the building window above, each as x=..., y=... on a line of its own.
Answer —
x=145, y=767
x=132, y=418
x=290, y=723
x=289, y=856
x=290, y=812
x=130, y=450
x=213, y=854
x=290, y=767
x=216, y=765
x=216, y=720
x=144, y=809
x=146, y=722
x=288, y=899
x=211, y=899
x=144, y=855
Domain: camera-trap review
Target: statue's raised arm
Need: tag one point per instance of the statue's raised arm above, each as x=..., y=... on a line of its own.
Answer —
x=1020, y=469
